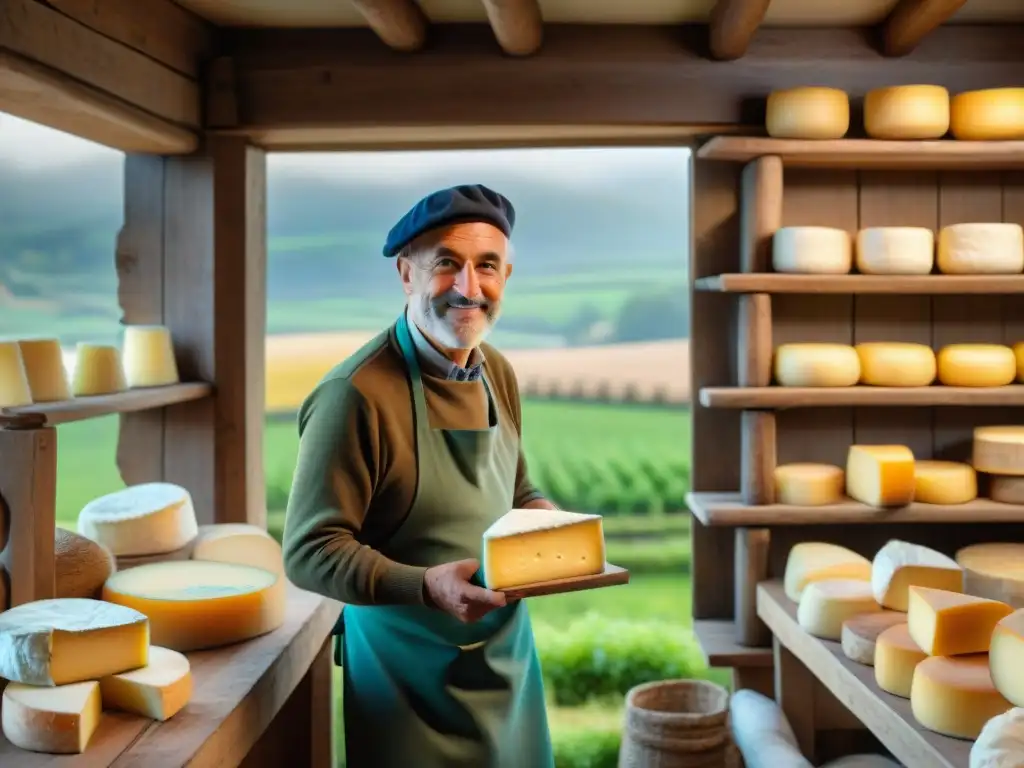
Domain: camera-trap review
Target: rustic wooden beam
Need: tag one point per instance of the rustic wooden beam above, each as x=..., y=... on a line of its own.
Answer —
x=912, y=20
x=401, y=24
x=732, y=26
x=517, y=25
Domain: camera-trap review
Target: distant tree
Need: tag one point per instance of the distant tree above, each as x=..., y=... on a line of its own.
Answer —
x=646, y=317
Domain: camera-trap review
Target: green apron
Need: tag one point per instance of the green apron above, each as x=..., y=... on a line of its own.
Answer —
x=422, y=689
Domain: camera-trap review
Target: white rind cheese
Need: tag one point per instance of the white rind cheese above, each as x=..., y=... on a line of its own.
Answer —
x=812, y=251
x=238, y=543
x=895, y=251
x=1001, y=742
x=900, y=565
x=981, y=249
x=146, y=519
x=825, y=605
x=816, y=365
x=158, y=690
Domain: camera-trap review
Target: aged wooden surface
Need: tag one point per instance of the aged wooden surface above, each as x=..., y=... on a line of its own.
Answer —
x=91, y=407
x=862, y=395
x=775, y=282
x=612, y=576
x=717, y=639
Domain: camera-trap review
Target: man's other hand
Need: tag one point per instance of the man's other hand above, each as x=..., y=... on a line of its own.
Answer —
x=448, y=589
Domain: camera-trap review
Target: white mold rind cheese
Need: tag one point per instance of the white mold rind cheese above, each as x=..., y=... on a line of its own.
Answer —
x=146, y=519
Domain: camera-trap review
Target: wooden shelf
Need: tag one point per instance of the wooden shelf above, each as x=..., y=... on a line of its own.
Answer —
x=945, y=154
x=772, y=282
x=888, y=717
x=717, y=638
x=728, y=510
x=80, y=408
x=780, y=398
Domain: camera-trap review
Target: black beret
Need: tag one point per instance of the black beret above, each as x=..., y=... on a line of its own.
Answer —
x=455, y=205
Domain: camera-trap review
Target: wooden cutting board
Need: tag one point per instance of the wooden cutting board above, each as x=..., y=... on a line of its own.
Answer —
x=610, y=577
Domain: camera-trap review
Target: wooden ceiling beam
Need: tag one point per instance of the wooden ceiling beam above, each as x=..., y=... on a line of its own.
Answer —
x=400, y=24
x=732, y=26
x=912, y=20
x=517, y=25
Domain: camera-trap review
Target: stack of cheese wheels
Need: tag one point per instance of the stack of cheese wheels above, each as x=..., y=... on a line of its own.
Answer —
x=998, y=451
x=907, y=112
x=808, y=113
x=988, y=115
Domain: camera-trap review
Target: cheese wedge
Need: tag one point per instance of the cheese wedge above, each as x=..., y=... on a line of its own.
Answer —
x=57, y=720
x=238, y=543
x=955, y=696
x=526, y=546
x=825, y=605
x=1001, y=742
x=951, y=624
x=81, y=566
x=995, y=571
x=811, y=561
x=896, y=658
x=880, y=475
x=900, y=565
x=860, y=634
x=146, y=519
x=158, y=690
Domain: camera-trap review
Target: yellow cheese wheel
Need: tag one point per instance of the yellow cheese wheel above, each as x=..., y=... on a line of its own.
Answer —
x=1018, y=352
x=944, y=482
x=991, y=114
x=976, y=365
x=896, y=657
x=98, y=370
x=907, y=112
x=880, y=475
x=955, y=695
x=14, y=387
x=808, y=485
x=44, y=366
x=896, y=364
x=994, y=570
x=816, y=365
x=808, y=113
x=999, y=450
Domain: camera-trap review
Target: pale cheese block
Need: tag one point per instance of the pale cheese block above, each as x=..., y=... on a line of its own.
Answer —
x=880, y=475
x=81, y=565
x=1018, y=353
x=955, y=696
x=14, y=387
x=899, y=565
x=68, y=640
x=808, y=485
x=58, y=720
x=860, y=634
x=895, y=251
x=526, y=546
x=44, y=366
x=976, y=365
x=944, y=482
x=1007, y=489
x=149, y=356
x=98, y=370
x=979, y=248
x=992, y=114
x=995, y=571
x=158, y=690
x=812, y=251
x=1006, y=657
x=808, y=113
x=945, y=623
x=194, y=605
x=238, y=543
x=999, y=450
x=812, y=561
x=907, y=112
x=896, y=658
x=763, y=734
x=896, y=364
x=145, y=519
x=825, y=605
x=1001, y=742
x=816, y=365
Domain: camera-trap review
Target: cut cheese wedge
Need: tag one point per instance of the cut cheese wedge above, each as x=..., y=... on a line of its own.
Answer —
x=146, y=519
x=811, y=561
x=1001, y=742
x=880, y=475
x=976, y=365
x=809, y=485
x=44, y=366
x=98, y=370
x=999, y=450
x=944, y=482
x=860, y=633
x=825, y=605
x=238, y=543
x=896, y=364
x=158, y=690
x=896, y=658
x=900, y=565
x=194, y=605
x=955, y=696
x=68, y=640
x=952, y=624
x=57, y=720
x=81, y=566
x=994, y=571
x=526, y=546
x=816, y=365
x=149, y=356
x=14, y=386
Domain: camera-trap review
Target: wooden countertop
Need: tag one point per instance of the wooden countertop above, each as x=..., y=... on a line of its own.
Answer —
x=888, y=717
x=237, y=692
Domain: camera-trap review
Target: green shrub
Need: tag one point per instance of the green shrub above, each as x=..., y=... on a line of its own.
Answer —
x=586, y=749
x=668, y=555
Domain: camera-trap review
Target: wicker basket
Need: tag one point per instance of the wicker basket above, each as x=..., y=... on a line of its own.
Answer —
x=677, y=724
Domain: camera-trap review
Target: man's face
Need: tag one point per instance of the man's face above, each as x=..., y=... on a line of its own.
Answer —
x=455, y=283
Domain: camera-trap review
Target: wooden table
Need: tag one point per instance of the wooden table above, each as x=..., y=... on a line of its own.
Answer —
x=265, y=702
x=888, y=717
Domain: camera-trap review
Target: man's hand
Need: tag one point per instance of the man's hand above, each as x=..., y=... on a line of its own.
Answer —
x=448, y=589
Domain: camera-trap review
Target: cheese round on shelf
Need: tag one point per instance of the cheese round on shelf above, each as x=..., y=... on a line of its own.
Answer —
x=81, y=566
x=976, y=365
x=808, y=113
x=999, y=450
x=825, y=605
x=945, y=623
x=14, y=387
x=812, y=251
x=145, y=519
x=1006, y=489
x=899, y=565
x=98, y=371
x=44, y=366
x=992, y=114
x=994, y=570
x=811, y=561
x=58, y=721
x=158, y=690
x=149, y=356
x=816, y=365
x=896, y=657
x=1018, y=353
x=808, y=485
x=955, y=696
x=239, y=543
x=1001, y=742
x=944, y=482
x=1006, y=657
x=896, y=364
x=981, y=249
x=895, y=251
x=860, y=634
x=194, y=605
x=907, y=112
x=880, y=475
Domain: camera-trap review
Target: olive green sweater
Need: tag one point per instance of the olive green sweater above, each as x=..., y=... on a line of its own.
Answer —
x=356, y=473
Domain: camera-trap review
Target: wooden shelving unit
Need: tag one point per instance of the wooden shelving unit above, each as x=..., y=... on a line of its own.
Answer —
x=777, y=398
x=79, y=408
x=929, y=285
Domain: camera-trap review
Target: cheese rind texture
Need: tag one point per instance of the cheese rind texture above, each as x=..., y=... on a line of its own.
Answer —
x=1007, y=489
x=944, y=482
x=98, y=370
x=1018, y=353
x=880, y=475
x=899, y=565
x=955, y=696
x=896, y=657
x=811, y=561
x=896, y=364
x=58, y=720
x=158, y=690
x=812, y=251
x=999, y=450
x=816, y=365
x=1006, y=657
x=14, y=387
x=808, y=113
x=809, y=485
x=976, y=365
x=994, y=571
x=895, y=251
x=991, y=114
x=149, y=356
x=81, y=565
x=907, y=112
x=44, y=366
x=527, y=546
x=194, y=605
x=238, y=543
x=1001, y=742
x=145, y=519
x=825, y=605
x=981, y=249
x=68, y=640
x=860, y=633
x=946, y=623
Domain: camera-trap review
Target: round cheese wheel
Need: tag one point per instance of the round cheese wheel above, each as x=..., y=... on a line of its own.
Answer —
x=896, y=364
x=981, y=249
x=809, y=485
x=816, y=365
x=808, y=113
x=999, y=450
x=986, y=115
x=944, y=482
x=861, y=632
x=812, y=251
x=44, y=366
x=994, y=571
x=81, y=566
x=895, y=251
x=14, y=387
x=976, y=365
x=1018, y=352
x=825, y=605
x=907, y=112
x=955, y=695
x=1008, y=490
x=896, y=657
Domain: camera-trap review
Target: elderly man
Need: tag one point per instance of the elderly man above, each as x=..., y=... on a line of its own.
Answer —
x=409, y=450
